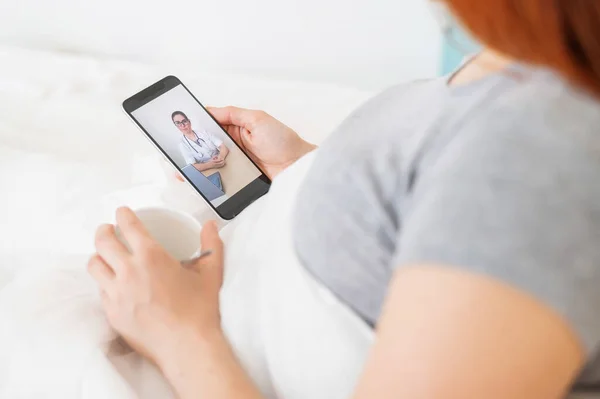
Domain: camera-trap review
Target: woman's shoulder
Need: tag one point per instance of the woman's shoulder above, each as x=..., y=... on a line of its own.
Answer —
x=538, y=109
x=547, y=102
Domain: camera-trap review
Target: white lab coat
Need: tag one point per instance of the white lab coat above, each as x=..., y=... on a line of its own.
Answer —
x=201, y=150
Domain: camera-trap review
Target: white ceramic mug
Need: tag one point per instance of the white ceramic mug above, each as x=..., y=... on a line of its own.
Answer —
x=177, y=232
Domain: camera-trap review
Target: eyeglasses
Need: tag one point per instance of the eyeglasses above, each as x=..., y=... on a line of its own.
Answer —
x=182, y=122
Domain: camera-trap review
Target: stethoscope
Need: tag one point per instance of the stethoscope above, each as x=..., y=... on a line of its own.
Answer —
x=197, y=139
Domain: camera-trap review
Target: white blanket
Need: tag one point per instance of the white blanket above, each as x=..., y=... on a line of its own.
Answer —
x=69, y=156
x=294, y=338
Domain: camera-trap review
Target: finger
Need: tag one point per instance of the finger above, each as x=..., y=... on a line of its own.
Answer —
x=133, y=229
x=179, y=177
x=101, y=272
x=211, y=242
x=109, y=247
x=241, y=117
x=211, y=266
x=234, y=133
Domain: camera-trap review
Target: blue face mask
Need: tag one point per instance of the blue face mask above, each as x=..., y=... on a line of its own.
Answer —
x=457, y=44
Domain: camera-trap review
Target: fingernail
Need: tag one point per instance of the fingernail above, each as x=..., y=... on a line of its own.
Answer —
x=123, y=210
x=106, y=228
x=212, y=224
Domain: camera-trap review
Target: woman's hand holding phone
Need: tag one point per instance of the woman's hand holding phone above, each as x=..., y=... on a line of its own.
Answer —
x=272, y=145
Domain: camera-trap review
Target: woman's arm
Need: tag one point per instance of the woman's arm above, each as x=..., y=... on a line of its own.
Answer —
x=450, y=334
x=444, y=334
x=204, y=365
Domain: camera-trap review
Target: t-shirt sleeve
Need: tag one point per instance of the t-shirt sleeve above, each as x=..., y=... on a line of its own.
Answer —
x=517, y=202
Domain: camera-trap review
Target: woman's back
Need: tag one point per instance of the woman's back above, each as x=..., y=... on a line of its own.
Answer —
x=496, y=177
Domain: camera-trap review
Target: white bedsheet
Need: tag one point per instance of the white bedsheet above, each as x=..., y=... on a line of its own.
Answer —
x=293, y=336
x=69, y=157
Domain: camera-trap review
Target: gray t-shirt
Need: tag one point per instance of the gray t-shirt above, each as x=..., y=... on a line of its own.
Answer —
x=500, y=176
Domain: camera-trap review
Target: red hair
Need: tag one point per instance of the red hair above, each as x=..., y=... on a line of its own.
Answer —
x=561, y=34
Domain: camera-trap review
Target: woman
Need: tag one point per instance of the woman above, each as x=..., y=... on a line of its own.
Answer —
x=470, y=239
x=199, y=148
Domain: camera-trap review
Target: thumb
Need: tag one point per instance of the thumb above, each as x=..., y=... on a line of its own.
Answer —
x=211, y=267
x=210, y=240
x=234, y=116
x=211, y=246
x=179, y=177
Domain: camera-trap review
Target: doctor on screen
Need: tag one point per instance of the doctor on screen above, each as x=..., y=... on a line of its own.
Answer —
x=199, y=148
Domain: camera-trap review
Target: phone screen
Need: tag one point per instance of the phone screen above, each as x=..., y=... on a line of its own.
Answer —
x=201, y=150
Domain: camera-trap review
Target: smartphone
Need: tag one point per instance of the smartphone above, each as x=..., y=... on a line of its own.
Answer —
x=193, y=142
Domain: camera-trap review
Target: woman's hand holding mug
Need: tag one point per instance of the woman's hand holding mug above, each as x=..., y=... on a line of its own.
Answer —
x=155, y=304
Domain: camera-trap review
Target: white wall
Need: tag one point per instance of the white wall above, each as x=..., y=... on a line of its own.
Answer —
x=362, y=43
x=156, y=119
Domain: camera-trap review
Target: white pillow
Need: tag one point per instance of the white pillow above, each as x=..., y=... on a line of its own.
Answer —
x=363, y=43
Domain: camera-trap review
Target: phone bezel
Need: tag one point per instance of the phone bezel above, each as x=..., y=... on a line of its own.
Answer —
x=237, y=202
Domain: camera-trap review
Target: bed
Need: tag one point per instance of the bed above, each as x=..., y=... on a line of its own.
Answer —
x=69, y=156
